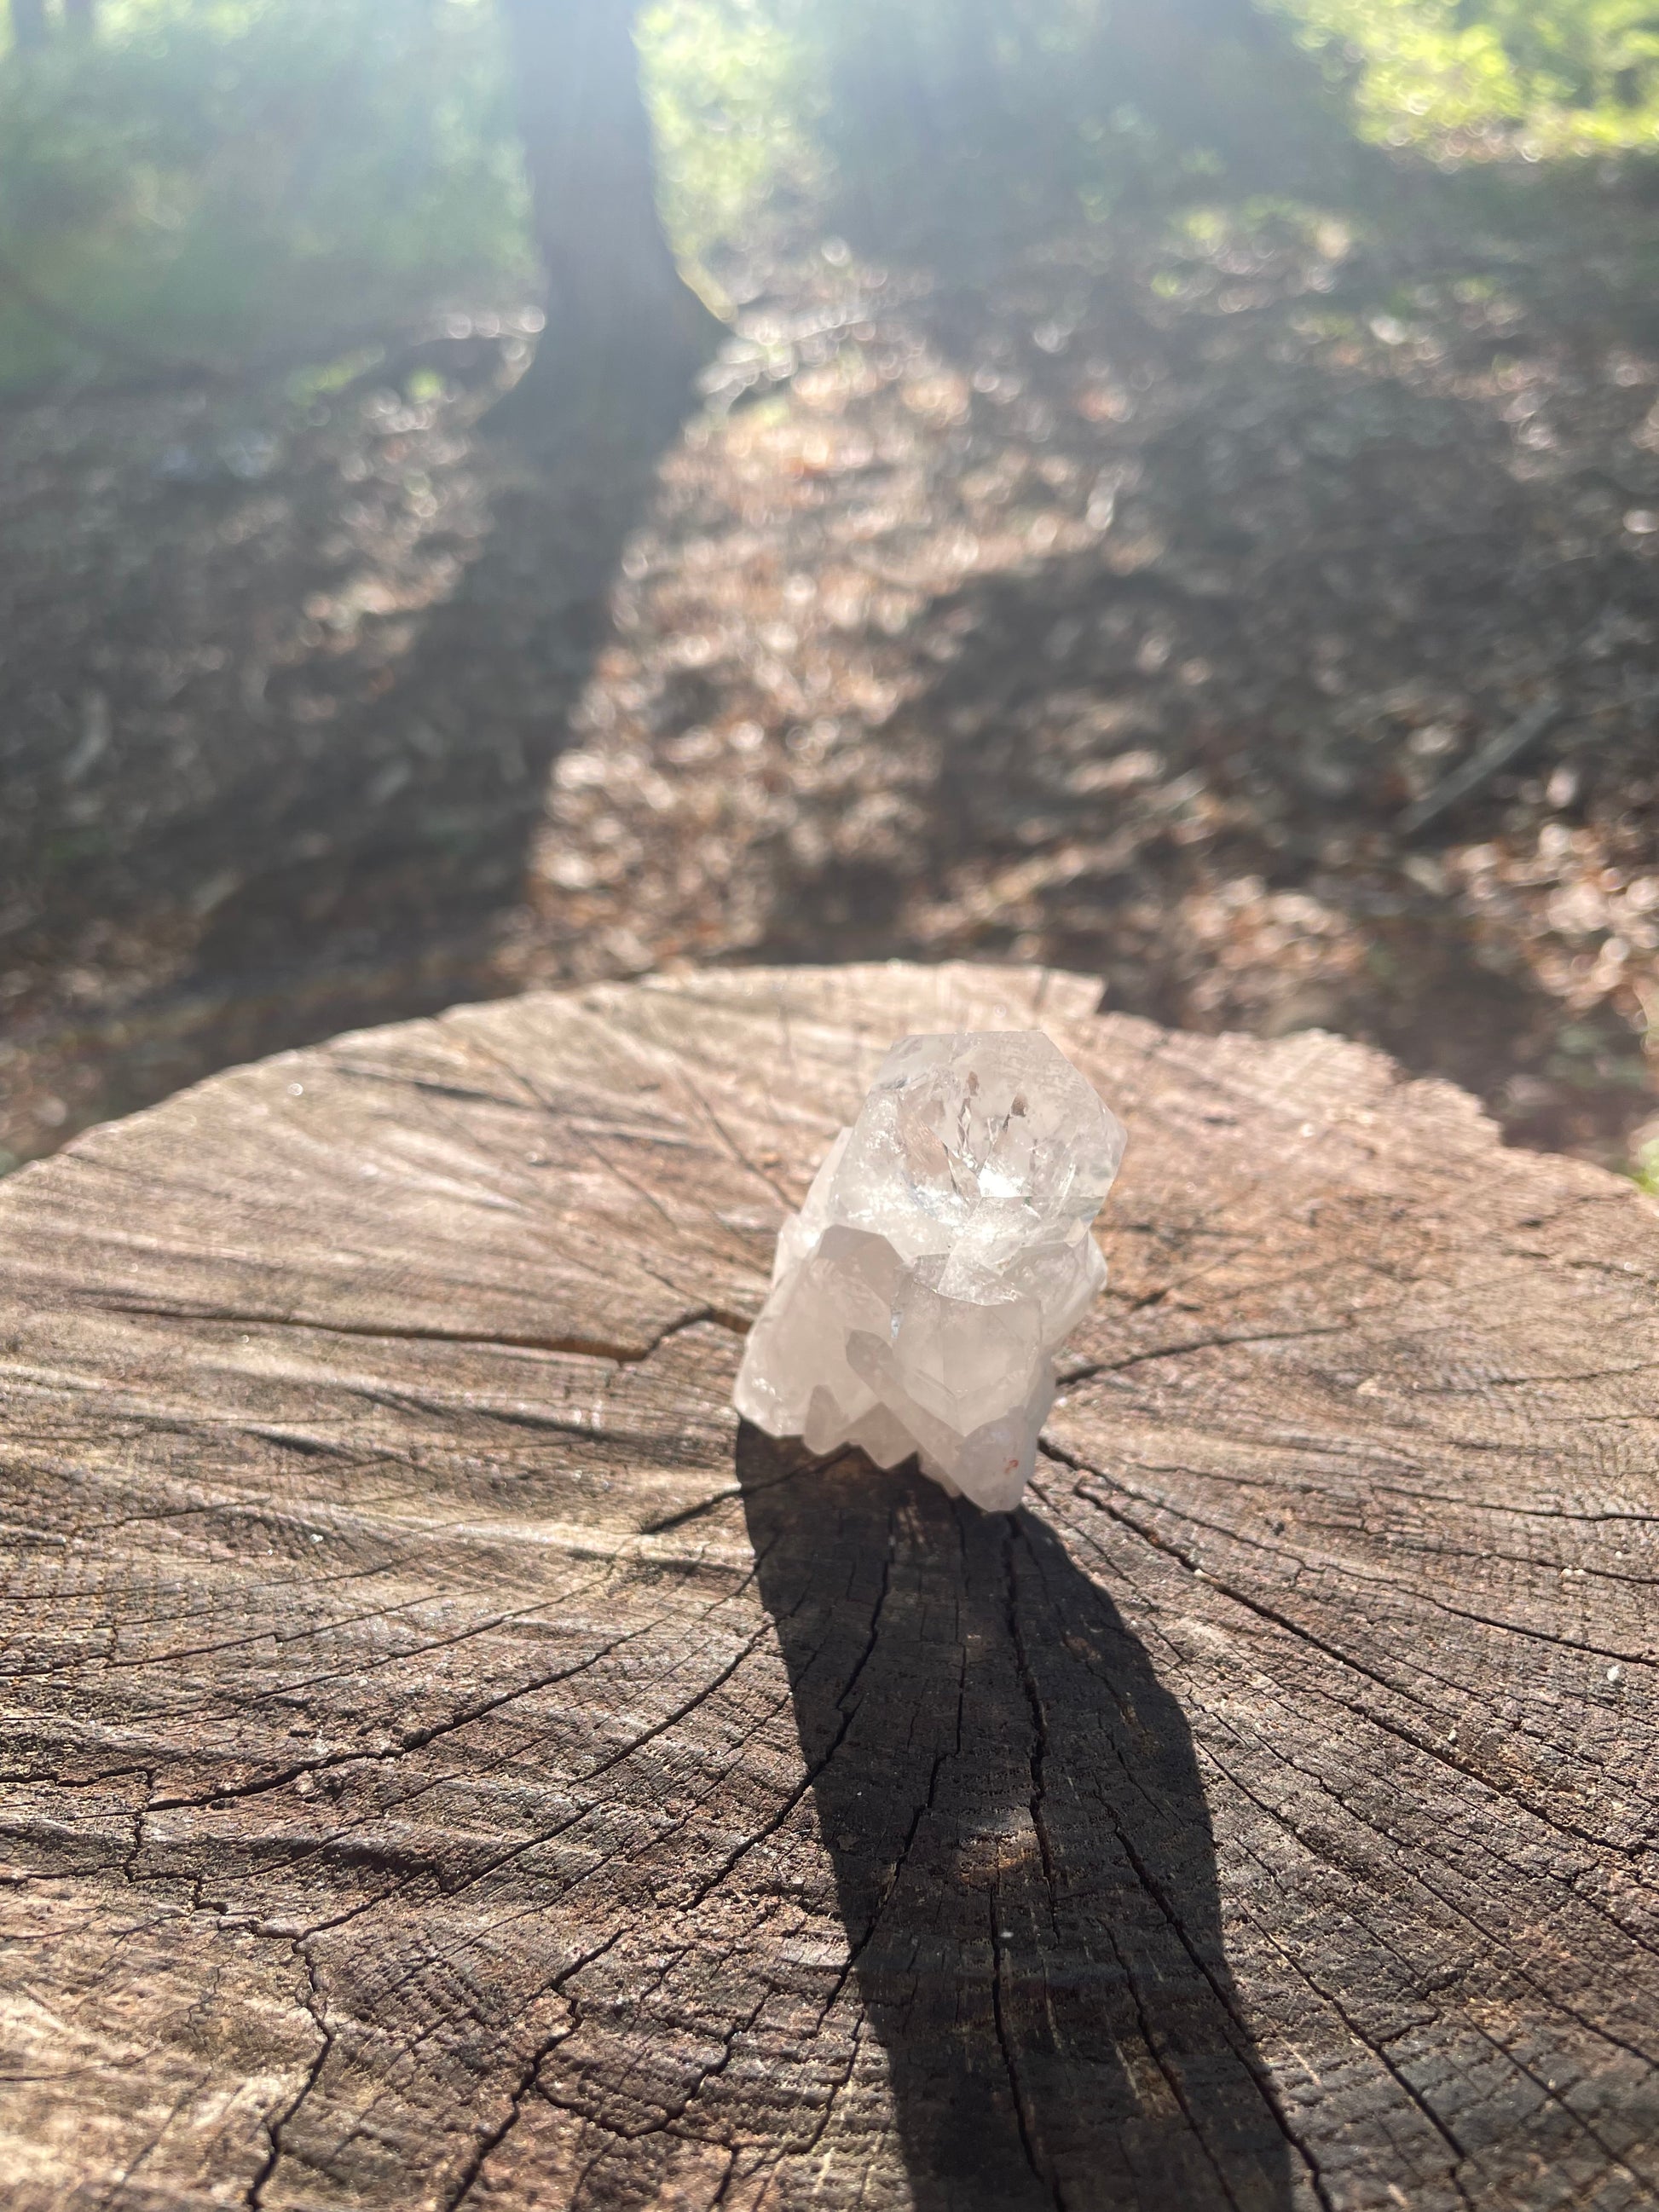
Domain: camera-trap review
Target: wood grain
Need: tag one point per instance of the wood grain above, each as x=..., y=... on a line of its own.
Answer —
x=446, y=1763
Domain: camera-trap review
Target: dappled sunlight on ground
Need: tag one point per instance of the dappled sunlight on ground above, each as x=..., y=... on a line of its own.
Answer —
x=1118, y=623
x=1113, y=614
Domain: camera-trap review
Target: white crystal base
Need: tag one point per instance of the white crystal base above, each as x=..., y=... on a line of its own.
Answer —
x=991, y=1465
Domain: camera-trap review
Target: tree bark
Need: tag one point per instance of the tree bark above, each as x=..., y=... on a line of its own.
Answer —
x=625, y=334
x=450, y=1763
x=29, y=25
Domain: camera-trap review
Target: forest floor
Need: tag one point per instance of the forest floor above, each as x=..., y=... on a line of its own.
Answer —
x=1116, y=612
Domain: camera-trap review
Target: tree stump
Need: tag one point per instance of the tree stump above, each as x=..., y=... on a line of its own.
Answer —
x=450, y=1763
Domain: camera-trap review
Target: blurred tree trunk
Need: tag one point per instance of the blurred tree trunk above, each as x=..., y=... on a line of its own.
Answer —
x=29, y=25
x=625, y=334
x=1227, y=74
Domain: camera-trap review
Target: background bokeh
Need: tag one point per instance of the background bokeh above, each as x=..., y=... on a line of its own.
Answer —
x=1153, y=454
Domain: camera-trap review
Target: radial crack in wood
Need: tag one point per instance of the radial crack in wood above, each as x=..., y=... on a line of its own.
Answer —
x=449, y=1762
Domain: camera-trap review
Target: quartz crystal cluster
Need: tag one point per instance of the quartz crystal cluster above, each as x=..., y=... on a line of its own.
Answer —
x=943, y=1252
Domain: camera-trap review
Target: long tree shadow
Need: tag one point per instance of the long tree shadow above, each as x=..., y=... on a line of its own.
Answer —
x=361, y=807
x=486, y=690
x=1024, y=1858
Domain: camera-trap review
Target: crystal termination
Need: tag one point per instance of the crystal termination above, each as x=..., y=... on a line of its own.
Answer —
x=942, y=1253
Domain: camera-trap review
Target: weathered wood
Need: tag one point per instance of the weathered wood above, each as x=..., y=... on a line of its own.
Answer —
x=448, y=1764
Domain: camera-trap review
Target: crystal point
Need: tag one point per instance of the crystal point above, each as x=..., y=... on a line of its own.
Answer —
x=942, y=1253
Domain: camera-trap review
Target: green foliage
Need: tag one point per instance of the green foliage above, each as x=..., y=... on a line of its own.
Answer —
x=207, y=182
x=923, y=120
x=1551, y=76
x=997, y=115
x=737, y=113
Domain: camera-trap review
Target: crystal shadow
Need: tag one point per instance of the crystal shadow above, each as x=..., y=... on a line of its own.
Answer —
x=1023, y=1855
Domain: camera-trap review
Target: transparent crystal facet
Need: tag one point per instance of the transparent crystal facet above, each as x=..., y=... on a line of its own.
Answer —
x=941, y=1255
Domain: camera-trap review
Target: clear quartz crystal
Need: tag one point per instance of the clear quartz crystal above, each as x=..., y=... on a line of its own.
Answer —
x=942, y=1253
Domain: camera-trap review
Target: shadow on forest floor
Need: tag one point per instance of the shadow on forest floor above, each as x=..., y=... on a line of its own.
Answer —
x=1113, y=612
x=290, y=775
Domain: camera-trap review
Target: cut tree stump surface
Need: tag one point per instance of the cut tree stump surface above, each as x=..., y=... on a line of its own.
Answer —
x=448, y=1761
